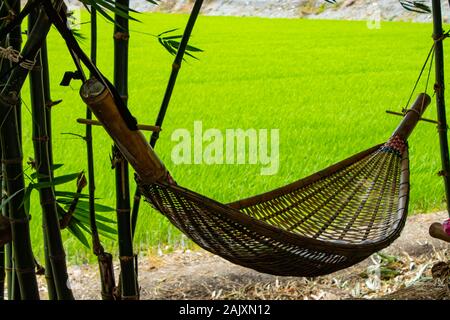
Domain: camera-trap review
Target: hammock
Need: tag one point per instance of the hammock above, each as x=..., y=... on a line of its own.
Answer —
x=326, y=222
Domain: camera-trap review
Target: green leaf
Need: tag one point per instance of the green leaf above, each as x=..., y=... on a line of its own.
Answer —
x=71, y=195
x=101, y=226
x=418, y=6
x=54, y=167
x=85, y=205
x=56, y=181
x=26, y=198
x=98, y=217
x=7, y=200
x=168, y=31
x=78, y=233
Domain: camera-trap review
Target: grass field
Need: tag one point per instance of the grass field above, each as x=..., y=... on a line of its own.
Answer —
x=324, y=84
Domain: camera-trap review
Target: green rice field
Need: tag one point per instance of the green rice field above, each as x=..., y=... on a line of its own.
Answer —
x=324, y=84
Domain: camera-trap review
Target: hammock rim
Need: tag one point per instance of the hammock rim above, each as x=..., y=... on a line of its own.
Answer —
x=354, y=250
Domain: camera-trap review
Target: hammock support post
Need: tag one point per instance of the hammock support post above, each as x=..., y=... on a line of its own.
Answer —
x=438, y=37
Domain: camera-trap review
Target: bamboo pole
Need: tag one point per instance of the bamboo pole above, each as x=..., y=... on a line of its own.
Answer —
x=176, y=65
x=128, y=282
x=4, y=64
x=104, y=259
x=440, y=100
x=43, y=83
x=23, y=259
x=11, y=278
x=2, y=248
x=55, y=255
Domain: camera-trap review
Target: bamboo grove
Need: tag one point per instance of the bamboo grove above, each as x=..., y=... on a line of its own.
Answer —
x=68, y=201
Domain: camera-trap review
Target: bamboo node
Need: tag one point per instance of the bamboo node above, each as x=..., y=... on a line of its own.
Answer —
x=442, y=173
x=60, y=257
x=123, y=210
x=126, y=258
x=25, y=270
x=20, y=220
x=41, y=138
x=12, y=161
x=121, y=36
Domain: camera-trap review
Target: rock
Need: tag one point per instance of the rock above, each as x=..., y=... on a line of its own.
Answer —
x=385, y=10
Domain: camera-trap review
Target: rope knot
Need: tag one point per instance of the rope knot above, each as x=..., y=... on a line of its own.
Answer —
x=14, y=56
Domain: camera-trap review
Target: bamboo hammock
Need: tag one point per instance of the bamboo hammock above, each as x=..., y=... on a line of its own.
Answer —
x=317, y=225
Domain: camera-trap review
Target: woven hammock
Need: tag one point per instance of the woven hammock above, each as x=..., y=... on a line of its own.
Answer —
x=317, y=225
x=328, y=221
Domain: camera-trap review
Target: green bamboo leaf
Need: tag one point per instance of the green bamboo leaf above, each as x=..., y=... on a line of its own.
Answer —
x=56, y=181
x=101, y=226
x=100, y=232
x=54, y=167
x=194, y=49
x=71, y=195
x=168, y=31
x=99, y=217
x=78, y=233
x=85, y=205
x=173, y=37
x=26, y=198
x=116, y=10
x=121, y=6
x=7, y=200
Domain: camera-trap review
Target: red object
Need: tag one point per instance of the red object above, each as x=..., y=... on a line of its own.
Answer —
x=446, y=226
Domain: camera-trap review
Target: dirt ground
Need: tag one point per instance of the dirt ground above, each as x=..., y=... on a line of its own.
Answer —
x=403, y=271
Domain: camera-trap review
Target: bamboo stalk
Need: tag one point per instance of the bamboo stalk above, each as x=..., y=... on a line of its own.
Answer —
x=2, y=248
x=50, y=221
x=440, y=99
x=12, y=159
x=4, y=64
x=176, y=65
x=104, y=259
x=45, y=86
x=128, y=282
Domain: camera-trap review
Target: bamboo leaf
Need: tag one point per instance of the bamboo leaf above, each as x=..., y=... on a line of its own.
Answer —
x=71, y=195
x=418, y=6
x=54, y=167
x=85, y=205
x=26, y=198
x=56, y=181
x=168, y=31
x=7, y=200
x=78, y=233
x=97, y=216
x=74, y=227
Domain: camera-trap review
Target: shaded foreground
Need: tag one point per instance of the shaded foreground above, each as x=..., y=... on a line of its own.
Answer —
x=404, y=269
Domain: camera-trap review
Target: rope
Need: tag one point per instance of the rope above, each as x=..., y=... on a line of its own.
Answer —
x=15, y=56
x=442, y=37
x=430, y=54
